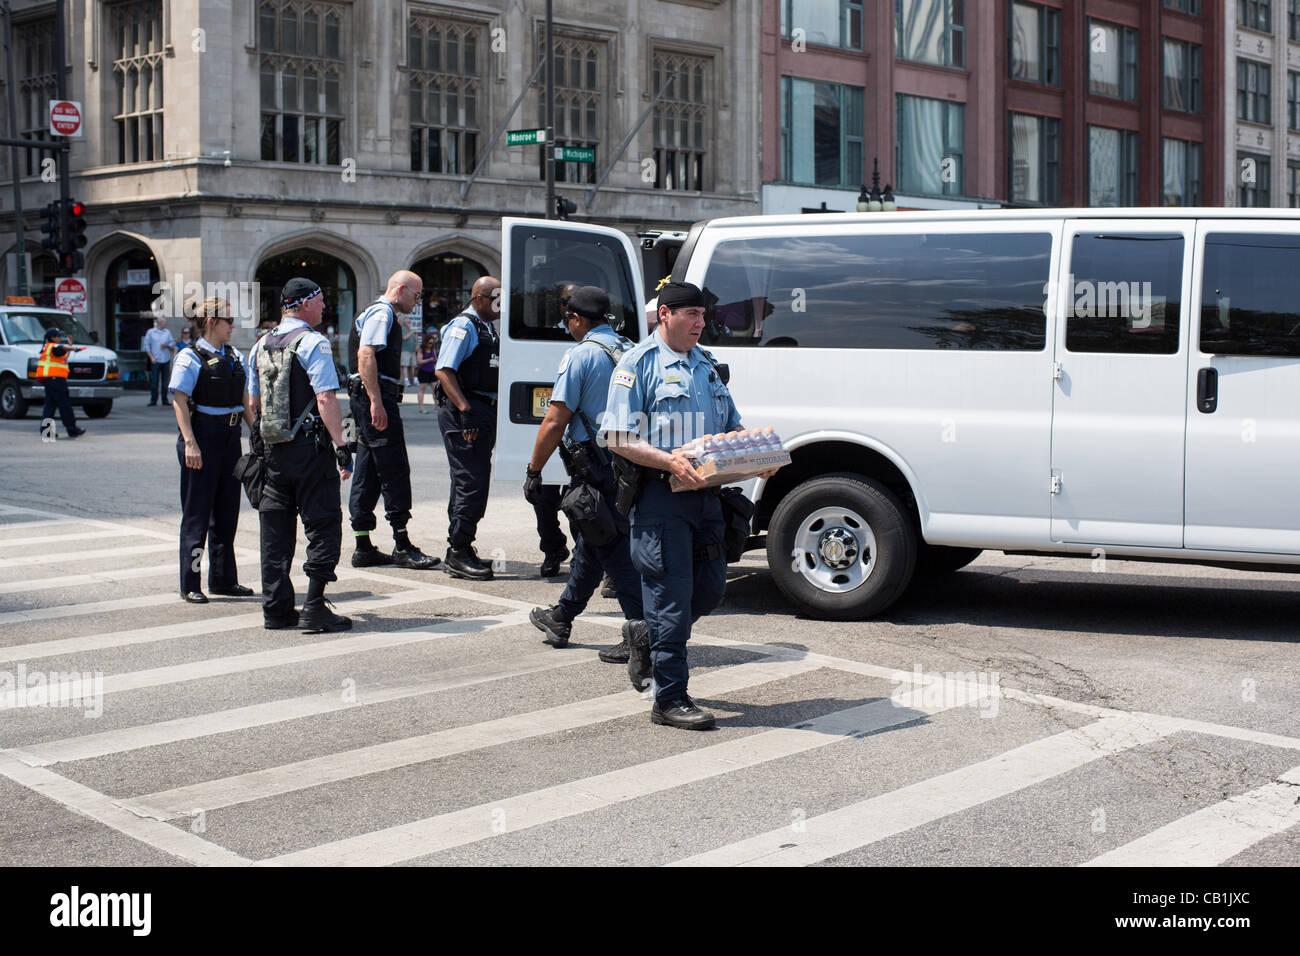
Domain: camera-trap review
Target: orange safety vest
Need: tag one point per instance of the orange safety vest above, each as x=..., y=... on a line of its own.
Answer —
x=51, y=365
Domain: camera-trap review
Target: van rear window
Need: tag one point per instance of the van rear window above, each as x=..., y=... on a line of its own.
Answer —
x=923, y=291
x=547, y=262
x=1250, y=296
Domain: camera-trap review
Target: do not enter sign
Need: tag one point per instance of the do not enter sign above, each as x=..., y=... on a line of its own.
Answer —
x=70, y=296
x=65, y=118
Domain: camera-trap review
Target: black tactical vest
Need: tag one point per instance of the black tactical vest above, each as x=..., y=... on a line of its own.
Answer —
x=301, y=393
x=479, y=372
x=221, y=379
x=389, y=358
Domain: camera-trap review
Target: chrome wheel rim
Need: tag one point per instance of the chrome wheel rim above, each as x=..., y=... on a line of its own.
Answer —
x=834, y=550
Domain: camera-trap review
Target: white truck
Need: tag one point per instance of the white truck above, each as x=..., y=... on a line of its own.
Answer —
x=93, y=375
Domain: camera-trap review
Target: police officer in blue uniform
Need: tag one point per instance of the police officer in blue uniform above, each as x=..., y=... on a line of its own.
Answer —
x=303, y=473
x=375, y=390
x=467, y=416
x=578, y=400
x=668, y=391
x=210, y=381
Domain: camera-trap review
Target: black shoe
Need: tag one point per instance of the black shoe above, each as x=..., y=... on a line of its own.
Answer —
x=545, y=620
x=607, y=588
x=288, y=622
x=76, y=432
x=465, y=563
x=151, y=405
x=616, y=654
x=413, y=557
x=319, y=616
x=370, y=558
x=681, y=713
x=637, y=636
x=232, y=590
x=551, y=566
x=194, y=597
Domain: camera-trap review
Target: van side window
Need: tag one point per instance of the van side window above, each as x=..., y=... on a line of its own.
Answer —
x=545, y=261
x=920, y=291
x=1250, y=296
x=1124, y=294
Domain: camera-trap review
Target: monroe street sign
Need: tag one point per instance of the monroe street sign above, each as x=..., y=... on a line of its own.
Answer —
x=525, y=137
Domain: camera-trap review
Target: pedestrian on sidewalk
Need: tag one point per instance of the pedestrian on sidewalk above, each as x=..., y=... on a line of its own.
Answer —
x=159, y=346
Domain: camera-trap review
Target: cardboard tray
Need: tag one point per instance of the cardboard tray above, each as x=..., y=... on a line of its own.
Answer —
x=740, y=468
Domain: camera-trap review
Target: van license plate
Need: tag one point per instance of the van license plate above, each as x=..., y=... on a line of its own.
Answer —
x=541, y=400
x=81, y=392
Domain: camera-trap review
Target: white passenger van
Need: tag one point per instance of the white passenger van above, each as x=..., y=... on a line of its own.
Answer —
x=1050, y=381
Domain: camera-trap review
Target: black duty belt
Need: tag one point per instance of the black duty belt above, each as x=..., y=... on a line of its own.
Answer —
x=490, y=399
x=226, y=418
x=386, y=388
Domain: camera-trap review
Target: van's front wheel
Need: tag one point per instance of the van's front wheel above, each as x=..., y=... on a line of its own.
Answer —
x=841, y=547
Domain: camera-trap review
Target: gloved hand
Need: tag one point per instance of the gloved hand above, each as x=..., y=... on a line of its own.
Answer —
x=343, y=456
x=466, y=419
x=255, y=443
x=533, y=487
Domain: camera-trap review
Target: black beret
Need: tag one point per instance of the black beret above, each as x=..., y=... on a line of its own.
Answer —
x=297, y=290
x=52, y=334
x=590, y=302
x=681, y=295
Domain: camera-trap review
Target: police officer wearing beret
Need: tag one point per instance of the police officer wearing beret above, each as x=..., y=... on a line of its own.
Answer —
x=210, y=382
x=668, y=391
x=52, y=370
x=467, y=373
x=578, y=399
x=303, y=471
x=375, y=389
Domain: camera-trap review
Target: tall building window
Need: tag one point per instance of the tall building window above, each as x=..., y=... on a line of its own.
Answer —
x=821, y=133
x=1255, y=14
x=444, y=95
x=1254, y=178
x=682, y=124
x=1035, y=152
x=827, y=22
x=1182, y=80
x=301, y=78
x=1292, y=100
x=931, y=31
x=1182, y=173
x=1293, y=184
x=931, y=146
x=1293, y=19
x=1035, y=43
x=1253, y=81
x=579, y=69
x=1186, y=6
x=1112, y=60
x=135, y=34
x=1112, y=166
x=37, y=85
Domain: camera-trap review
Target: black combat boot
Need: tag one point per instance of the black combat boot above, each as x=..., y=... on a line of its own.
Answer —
x=548, y=621
x=639, y=670
x=318, y=614
x=465, y=563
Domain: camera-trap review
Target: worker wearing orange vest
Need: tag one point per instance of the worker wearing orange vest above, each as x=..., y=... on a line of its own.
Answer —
x=52, y=370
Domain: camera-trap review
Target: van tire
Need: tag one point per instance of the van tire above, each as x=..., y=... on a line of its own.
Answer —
x=859, y=512
x=98, y=409
x=12, y=403
x=935, y=560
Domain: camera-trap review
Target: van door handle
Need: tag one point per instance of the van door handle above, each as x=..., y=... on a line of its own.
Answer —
x=1207, y=390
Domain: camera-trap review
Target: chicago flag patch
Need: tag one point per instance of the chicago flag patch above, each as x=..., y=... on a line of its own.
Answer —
x=624, y=377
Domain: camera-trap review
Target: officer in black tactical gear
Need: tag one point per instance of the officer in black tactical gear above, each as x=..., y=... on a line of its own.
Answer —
x=292, y=391
x=375, y=390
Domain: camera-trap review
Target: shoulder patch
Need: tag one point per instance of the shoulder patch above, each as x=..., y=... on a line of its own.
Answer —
x=625, y=378
x=324, y=345
x=455, y=333
x=564, y=362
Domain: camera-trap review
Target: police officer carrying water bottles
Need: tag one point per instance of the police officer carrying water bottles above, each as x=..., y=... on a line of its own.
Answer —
x=301, y=425
x=665, y=392
x=577, y=402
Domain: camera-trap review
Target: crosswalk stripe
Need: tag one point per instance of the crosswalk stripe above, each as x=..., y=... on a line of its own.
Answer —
x=94, y=607
x=112, y=576
x=434, y=834
x=1215, y=834
x=92, y=522
x=25, y=525
x=67, y=557
x=332, y=768
x=102, y=809
x=868, y=821
x=54, y=538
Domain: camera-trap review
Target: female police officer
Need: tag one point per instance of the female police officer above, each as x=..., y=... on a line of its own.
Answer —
x=211, y=382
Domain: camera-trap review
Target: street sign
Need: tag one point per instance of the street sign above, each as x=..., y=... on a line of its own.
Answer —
x=70, y=295
x=65, y=118
x=574, y=154
x=525, y=137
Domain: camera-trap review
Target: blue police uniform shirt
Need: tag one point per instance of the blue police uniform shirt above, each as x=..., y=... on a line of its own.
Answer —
x=185, y=374
x=314, y=354
x=459, y=340
x=582, y=384
x=667, y=399
x=372, y=328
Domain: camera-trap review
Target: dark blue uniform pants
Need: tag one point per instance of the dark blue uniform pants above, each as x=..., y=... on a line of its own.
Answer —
x=470, y=464
x=549, y=536
x=381, y=467
x=590, y=561
x=209, y=505
x=669, y=530
x=159, y=375
x=301, y=479
x=56, y=395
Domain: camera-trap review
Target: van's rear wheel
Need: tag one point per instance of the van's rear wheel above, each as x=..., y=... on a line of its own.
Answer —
x=12, y=403
x=841, y=547
x=98, y=409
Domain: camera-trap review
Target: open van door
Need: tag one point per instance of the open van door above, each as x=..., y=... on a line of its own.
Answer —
x=540, y=257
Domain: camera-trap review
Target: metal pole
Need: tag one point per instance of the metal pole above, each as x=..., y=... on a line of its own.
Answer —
x=61, y=79
x=591, y=193
x=487, y=153
x=13, y=153
x=550, y=114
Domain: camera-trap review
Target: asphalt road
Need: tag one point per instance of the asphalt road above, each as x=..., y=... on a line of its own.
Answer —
x=1126, y=714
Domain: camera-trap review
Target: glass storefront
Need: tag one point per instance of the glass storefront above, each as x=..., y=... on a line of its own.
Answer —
x=336, y=280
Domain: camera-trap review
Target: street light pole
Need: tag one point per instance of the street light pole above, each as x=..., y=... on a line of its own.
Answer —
x=21, y=257
x=549, y=145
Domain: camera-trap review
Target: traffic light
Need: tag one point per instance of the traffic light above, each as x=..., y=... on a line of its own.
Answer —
x=72, y=262
x=564, y=207
x=52, y=227
x=76, y=226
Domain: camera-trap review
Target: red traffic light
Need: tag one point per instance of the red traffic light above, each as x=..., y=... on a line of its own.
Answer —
x=78, y=209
